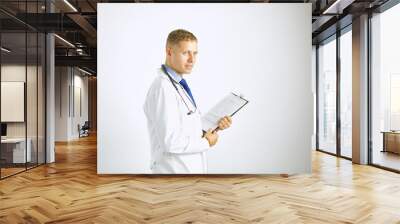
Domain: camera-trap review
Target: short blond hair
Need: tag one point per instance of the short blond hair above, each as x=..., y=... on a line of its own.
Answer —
x=179, y=35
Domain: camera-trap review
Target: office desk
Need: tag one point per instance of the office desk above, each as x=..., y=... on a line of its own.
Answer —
x=391, y=141
x=13, y=150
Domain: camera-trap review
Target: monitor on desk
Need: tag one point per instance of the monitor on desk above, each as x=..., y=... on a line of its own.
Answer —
x=3, y=130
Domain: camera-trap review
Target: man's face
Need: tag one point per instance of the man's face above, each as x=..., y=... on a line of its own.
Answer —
x=182, y=56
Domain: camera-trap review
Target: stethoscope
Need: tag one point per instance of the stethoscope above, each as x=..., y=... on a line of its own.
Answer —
x=190, y=111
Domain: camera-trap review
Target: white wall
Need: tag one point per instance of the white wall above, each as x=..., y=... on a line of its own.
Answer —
x=61, y=103
x=67, y=84
x=260, y=50
x=79, y=117
x=14, y=74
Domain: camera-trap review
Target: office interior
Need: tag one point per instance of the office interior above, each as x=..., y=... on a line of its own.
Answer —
x=48, y=85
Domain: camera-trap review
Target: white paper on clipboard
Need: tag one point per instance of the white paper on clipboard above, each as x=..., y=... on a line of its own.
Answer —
x=229, y=105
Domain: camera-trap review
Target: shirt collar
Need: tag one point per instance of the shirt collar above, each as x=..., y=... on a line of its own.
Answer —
x=177, y=78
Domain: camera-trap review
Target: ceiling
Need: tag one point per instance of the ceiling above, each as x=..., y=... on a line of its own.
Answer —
x=76, y=22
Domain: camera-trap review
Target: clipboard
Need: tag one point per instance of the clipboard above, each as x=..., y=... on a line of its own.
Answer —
x=246, y=102
x=229, y=105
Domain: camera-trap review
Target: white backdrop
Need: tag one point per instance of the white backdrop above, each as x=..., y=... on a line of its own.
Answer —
x=260, y=50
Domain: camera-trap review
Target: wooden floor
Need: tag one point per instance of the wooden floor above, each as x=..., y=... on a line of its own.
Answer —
x=387, y=159
x=70, y=191
x=5, y=172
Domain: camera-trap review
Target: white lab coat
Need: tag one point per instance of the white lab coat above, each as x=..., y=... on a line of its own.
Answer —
x=176, y=139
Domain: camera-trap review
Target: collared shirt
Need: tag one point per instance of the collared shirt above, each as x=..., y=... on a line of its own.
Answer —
x=177, y=78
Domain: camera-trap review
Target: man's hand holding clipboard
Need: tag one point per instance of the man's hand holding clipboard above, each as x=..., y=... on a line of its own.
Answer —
x=220, y=116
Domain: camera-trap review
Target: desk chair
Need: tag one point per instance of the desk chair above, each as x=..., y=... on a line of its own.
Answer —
x=84, y=130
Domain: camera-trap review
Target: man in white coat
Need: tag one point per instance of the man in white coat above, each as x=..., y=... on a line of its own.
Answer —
x=178, y=143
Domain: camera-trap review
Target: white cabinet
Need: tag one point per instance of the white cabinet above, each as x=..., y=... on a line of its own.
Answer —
x=18, y=149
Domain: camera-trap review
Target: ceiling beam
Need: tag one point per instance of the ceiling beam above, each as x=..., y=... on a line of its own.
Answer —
x=337, y=6
x=86, y=26
x=85, y=61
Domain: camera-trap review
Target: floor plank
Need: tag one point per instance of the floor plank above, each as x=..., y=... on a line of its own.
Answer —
x=70, y=191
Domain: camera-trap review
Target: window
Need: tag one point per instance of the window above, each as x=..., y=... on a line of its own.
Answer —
x=385, y=89
x=327, y=97
x=346, y=94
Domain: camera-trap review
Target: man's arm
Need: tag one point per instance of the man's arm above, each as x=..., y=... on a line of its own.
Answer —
x=169, y=124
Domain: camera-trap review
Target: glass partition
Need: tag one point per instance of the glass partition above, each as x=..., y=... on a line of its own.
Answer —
x=32, y=95
x=22, y=63
x=13, y=109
